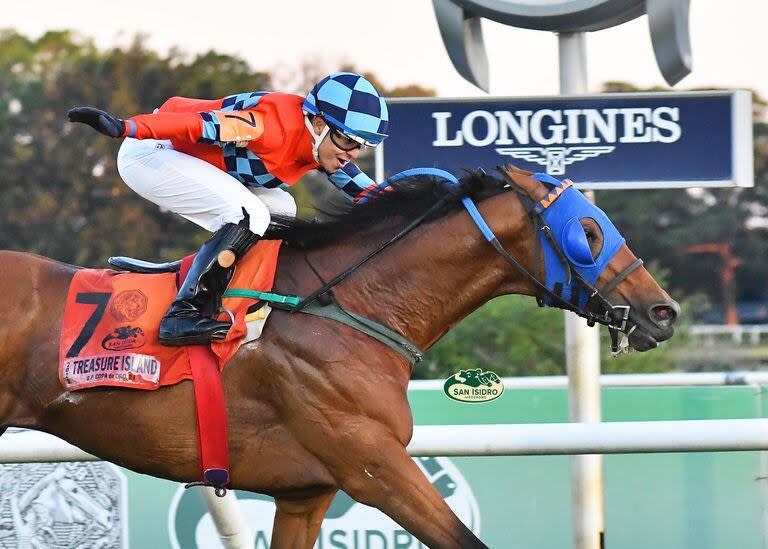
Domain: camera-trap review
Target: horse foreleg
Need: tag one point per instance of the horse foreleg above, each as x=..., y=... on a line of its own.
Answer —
x=384, y=476
x=297, y=523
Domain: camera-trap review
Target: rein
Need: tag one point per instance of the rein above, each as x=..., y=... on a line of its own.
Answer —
x=339, y=278
x=615, y=317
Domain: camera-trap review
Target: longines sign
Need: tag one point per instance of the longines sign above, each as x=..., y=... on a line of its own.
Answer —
x=659, y=140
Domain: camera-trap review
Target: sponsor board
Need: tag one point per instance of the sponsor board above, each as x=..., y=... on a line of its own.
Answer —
x=601, y=141
x=347, y=524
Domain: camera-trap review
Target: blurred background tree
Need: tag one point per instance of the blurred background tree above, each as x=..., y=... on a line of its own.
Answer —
x=61, y=194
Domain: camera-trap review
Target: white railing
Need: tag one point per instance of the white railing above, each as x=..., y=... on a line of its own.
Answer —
x=626, y=437
x=737, y=334
x=714, y=435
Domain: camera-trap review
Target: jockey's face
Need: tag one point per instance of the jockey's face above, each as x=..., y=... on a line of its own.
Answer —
x=331, y=157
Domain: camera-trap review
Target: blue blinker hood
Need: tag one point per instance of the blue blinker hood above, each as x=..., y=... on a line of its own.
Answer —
x=562, y=210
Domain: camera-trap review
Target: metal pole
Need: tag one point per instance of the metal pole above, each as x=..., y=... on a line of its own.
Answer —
x=378, y=156
x=582, y=355
x=233, y=531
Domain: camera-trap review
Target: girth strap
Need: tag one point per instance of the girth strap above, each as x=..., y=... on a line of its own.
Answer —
x=334, y=311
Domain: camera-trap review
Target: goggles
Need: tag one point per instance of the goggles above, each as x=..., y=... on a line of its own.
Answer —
x=348, y=141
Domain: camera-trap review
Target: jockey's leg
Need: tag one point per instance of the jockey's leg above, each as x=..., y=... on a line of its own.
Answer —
x=190, y=320
x=188, y=186
x=297, y=522
x=212, y=199
x=277, y=201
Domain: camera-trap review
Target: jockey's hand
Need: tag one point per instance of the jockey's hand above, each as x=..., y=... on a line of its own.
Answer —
x=99, y=120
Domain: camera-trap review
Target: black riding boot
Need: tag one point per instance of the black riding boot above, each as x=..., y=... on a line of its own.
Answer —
x=190, y=318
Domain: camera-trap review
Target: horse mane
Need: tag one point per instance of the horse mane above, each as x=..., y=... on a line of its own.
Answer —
x=404, y=200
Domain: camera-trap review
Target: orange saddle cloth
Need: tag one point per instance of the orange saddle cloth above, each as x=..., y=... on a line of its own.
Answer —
x=109, y=335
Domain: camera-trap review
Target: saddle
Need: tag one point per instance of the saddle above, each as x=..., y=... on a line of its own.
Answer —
x=125, y=307
x=145, y=267
x=109, y=337
x=256, y=314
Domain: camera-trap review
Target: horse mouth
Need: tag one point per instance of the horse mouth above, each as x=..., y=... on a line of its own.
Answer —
x=641, y=340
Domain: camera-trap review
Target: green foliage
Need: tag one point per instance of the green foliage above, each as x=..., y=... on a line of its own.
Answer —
x=512, y=336
x=509, y=335
x=61, y=194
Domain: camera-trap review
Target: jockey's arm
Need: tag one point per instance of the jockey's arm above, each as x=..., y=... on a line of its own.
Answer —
x=213, y=128
x=355, y=184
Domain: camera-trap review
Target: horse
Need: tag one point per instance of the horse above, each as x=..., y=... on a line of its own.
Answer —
x=315, y=406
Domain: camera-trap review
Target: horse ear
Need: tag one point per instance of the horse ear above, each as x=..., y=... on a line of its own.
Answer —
x=523, y=179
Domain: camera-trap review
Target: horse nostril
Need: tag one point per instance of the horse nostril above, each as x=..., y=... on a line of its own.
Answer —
x=665, y=314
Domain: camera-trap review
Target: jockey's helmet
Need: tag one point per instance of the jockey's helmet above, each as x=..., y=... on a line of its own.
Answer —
x=351, y=106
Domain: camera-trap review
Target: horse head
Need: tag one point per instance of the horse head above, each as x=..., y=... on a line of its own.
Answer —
x=587, y=266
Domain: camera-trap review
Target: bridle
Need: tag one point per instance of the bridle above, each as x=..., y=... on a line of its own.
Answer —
x=614, y=317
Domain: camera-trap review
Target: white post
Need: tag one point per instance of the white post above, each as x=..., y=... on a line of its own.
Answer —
x=234, y=532
x=582, y=354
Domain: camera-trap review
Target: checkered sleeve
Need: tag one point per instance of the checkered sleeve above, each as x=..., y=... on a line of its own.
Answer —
x=211, y=129
x=222, y=127
x=350, y=179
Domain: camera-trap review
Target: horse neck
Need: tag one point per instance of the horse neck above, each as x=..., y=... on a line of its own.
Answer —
x=438, y=274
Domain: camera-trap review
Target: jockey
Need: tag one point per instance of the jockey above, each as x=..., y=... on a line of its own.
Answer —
x=221, y=163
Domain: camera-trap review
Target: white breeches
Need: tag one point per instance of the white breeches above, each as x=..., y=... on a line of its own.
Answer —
x=195, y=189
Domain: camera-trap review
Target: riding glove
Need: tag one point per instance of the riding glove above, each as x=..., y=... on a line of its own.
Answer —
x=98, y=120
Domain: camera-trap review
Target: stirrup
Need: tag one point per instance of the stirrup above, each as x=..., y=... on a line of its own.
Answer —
x=223, y=309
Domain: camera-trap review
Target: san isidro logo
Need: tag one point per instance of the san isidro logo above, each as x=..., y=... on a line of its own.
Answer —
x=347, y=524
x=556, y=138
x=474, y=385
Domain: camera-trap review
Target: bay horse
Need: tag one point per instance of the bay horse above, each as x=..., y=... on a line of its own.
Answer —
x=314, y=406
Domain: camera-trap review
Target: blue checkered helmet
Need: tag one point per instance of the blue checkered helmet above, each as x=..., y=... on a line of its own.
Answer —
x=352, y=105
